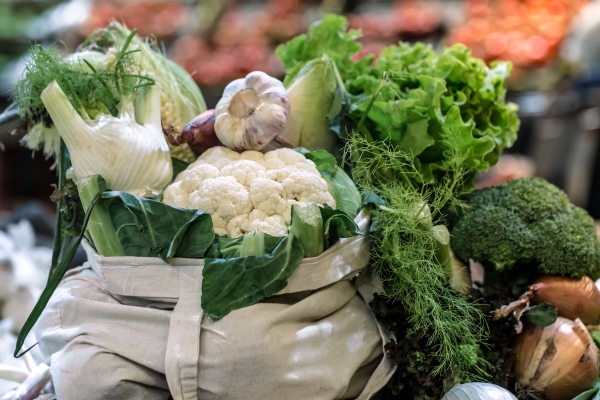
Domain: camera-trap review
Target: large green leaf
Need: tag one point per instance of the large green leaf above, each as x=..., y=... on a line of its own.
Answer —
x=542, y=315
x=346, y=195
x=232, y=283
x=337, y=225
x=149, y=228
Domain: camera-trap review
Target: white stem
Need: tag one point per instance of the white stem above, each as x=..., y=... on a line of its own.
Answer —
x=13, y=374
x=29, y=361
x=147, y=109
x=127, y=110
x=71, y=127
x=35, y=382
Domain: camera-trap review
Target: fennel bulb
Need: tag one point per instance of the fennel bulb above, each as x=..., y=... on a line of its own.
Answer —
x=103, y=55
x=129, y=151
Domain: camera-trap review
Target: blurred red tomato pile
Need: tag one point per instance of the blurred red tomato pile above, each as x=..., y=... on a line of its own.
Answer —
x=526, y=32
x=241, y=36
x=158, y=18
x=242, y=41
x=407, y=20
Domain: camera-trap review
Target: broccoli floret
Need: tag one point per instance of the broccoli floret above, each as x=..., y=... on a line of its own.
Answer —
x=528, y=222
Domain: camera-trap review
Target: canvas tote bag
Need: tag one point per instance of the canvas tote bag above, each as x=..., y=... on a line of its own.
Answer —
x=133, y=328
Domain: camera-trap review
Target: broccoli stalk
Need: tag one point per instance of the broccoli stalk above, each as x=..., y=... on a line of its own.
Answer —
x=527, y=226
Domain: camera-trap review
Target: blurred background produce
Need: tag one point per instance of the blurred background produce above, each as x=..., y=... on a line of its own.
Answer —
x=553, y=45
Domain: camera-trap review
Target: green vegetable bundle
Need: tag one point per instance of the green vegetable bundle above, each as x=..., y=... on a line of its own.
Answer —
x=105, y=103
x=414, y=99
x=418, y=127
x=527, y=227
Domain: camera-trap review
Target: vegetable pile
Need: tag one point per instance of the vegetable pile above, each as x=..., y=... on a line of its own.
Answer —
x=279, y=170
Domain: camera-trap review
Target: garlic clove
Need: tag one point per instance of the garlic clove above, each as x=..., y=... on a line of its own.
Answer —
x=574, y=298
x=561, y=359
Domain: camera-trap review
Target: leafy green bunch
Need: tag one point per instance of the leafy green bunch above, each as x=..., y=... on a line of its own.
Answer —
x=412, y=98
x=418, y=126
x=411, y=254
x=92, y=91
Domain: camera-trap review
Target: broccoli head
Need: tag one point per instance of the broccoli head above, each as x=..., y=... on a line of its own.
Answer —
x=527, y=222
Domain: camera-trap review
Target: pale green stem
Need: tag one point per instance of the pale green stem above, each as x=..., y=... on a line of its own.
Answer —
x=100, y=226
x=71, y=127
x=307, y=226
x=147, y=109
x=253, y=244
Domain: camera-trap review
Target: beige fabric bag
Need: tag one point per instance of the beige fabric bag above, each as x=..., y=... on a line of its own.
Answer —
x=133, y=328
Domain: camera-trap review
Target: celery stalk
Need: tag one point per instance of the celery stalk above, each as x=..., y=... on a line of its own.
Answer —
x=100, y=226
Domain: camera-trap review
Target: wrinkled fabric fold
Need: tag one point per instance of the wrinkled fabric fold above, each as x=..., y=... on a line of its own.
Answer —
x=129, y=328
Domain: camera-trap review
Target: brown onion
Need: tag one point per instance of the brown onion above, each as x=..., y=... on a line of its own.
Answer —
x=574, y=298
x=560, y=360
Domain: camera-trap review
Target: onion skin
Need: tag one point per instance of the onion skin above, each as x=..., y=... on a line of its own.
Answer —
x=560, y=360
x=478, y=391
x=574, y=298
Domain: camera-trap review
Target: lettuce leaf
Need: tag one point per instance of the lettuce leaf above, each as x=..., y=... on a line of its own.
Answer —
x=344, y=191
x=439, y=110
x=327, y=36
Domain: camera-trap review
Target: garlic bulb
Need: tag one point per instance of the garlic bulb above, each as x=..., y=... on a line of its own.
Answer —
x=560, y=360
x=478, y=391
x=252, y=111
x=574, y=298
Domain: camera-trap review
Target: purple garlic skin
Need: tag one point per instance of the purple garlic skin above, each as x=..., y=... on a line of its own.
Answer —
x=199, y=133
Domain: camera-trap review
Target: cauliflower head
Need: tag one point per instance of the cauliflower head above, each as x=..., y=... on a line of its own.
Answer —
x=250, y=191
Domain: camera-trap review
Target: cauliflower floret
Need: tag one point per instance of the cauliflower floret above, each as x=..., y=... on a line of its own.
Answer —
x=273, y=163
x=249, y=191
x=253, y=155
x=273, y=225
x=238, y=226
x=308, y=166
x=245, y=171
x=182, y=175
x=219, y=224
x=175, y=195
x=286, y=158
x=280, y=175
x=219, y=156
x=305, y=187
x=223, y=196
x=268, y=196
x=197, y=175
x=219, y=151
x=196, y=163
